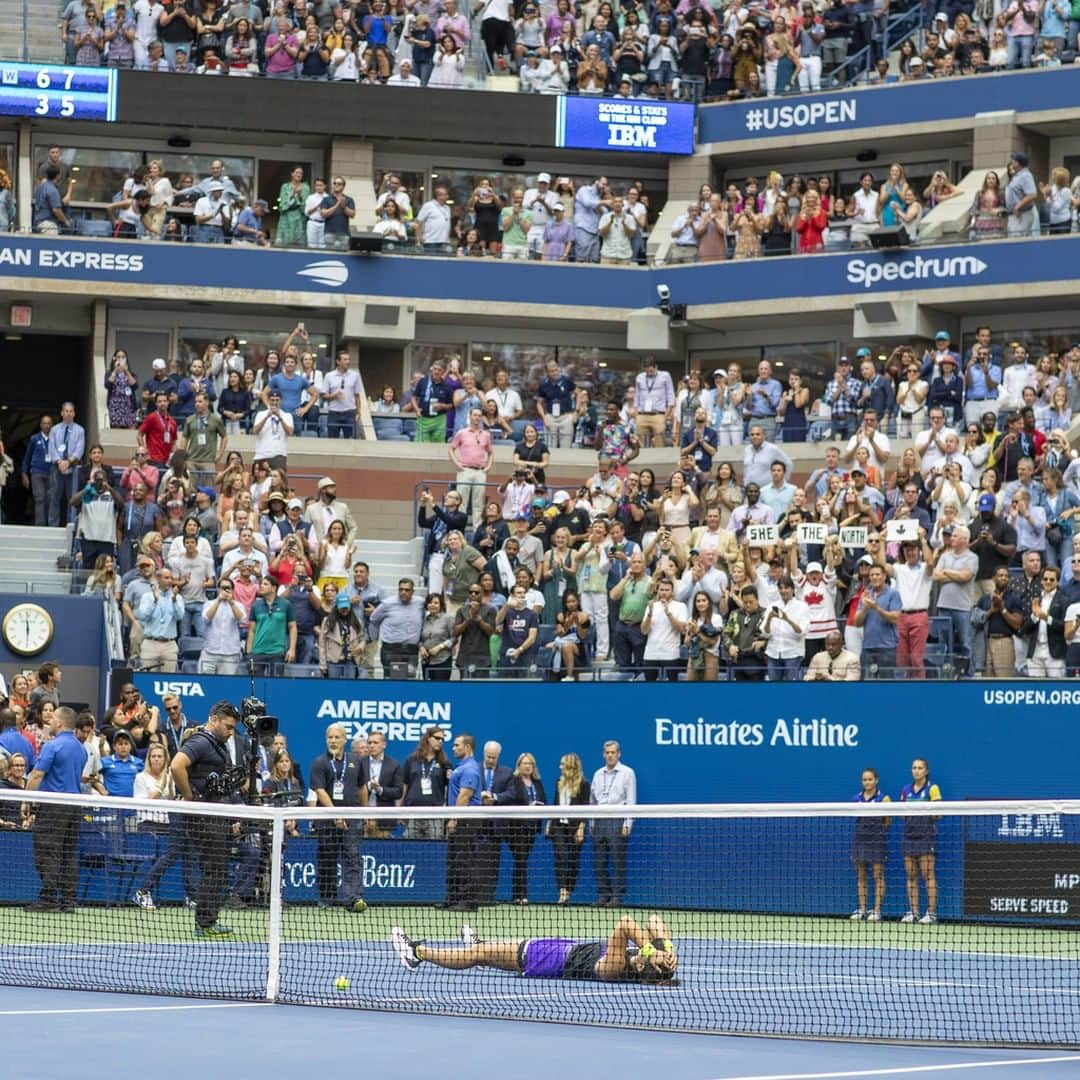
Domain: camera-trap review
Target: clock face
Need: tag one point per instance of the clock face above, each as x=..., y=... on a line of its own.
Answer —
x=27, y=629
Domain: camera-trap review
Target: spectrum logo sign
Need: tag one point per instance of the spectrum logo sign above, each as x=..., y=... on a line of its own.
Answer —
x=918, y=268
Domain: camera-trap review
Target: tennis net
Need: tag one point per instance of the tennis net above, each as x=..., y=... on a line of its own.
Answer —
x=781, y=919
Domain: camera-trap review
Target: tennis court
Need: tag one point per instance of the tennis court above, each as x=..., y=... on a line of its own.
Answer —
x=969, y=992
x=49, y=1034
x=768, y=975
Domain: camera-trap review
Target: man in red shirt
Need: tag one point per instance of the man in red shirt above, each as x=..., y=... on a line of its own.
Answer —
x=157, y=433
x=472, y=454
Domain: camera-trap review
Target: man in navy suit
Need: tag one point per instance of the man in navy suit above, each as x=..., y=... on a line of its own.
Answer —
x=385, y=782
x=495, y=779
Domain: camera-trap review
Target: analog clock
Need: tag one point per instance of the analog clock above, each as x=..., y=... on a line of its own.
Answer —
x=27, y=629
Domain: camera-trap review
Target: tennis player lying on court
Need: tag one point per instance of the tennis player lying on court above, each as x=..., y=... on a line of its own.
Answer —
x=630, y=954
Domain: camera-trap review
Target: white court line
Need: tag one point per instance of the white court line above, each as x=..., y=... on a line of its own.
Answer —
x=880, y=946
x=138, y=1008
x=809, y=983
x=909, y=1069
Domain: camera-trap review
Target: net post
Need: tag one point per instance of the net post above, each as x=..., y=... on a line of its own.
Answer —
x=277, y=855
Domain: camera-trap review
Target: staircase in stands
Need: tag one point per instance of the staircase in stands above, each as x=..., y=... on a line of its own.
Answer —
x=39, y=40
x=28, y=559
x=391, y=560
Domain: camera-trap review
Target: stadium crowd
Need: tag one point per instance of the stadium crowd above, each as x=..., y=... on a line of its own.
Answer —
x=554, y=219
x=693, y=50
x=966, y=537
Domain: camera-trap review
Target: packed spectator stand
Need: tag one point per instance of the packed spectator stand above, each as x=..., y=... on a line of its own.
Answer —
x=917, y=393
x=694, y=51
x=724, y=568
x=559, y=219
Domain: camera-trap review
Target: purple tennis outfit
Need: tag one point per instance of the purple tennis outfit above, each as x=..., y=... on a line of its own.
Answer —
x=561, y=958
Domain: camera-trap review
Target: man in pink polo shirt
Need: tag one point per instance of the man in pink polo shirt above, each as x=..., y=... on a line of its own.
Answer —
x=471, y=452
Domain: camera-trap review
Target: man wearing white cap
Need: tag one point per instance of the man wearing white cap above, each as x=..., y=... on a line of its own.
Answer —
x=327, y=510
x=212, y=215
x=293, y=525
x=816, y=588
x=540, y=202
x=404, y=75
x=160, y=382
x=554, y=72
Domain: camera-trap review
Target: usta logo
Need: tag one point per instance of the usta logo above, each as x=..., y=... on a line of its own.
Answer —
x=181, y=689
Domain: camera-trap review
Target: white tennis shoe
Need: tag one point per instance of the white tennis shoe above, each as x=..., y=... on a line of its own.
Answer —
x=405, y=949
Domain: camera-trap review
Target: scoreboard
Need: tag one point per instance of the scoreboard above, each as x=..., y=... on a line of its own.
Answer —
x=57, y=93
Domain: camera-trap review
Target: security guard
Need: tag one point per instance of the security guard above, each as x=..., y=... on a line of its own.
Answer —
x=335, y=779
x=205, y=752
x=59, y=767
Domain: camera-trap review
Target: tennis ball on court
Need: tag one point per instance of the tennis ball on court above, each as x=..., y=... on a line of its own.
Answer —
x=341, y=983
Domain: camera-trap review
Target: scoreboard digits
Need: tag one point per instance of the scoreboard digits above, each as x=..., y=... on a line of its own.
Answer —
x=57, y=93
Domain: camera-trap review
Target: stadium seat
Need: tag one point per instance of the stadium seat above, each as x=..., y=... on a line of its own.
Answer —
x=93, y=227
x=190, y=648
x=408, y=427
x=189, y=667
x=388, y=427
x=303, y=671
x=941, y=630
x=935, y=657
x=102, y=847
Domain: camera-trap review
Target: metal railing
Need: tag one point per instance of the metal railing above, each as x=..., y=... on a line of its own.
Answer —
x=445, y=485
x=898, y=28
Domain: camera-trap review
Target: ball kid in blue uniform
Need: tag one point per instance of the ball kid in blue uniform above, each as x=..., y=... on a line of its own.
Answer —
x=869, y=849
x=920, y=840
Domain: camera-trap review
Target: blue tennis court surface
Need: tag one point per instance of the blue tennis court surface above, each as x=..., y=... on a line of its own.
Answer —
x=54, y=1034
x=748, y=987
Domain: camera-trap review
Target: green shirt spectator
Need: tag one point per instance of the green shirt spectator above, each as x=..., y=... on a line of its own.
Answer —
x=515, y=223
x=635, y=599
x=272, y=630
x=204, y=436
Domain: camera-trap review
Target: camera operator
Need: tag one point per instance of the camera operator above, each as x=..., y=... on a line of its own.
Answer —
x=198, y=765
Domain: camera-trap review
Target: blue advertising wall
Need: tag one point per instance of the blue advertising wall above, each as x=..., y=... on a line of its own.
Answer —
x=1024, y=263
x=916, y=103
x=724, y=742
x=719, y=743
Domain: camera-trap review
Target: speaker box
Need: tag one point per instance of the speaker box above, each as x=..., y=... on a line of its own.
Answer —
x=365, y=243
x=892, y=236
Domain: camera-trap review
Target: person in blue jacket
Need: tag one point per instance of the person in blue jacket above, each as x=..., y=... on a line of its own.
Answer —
x=36, y=469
